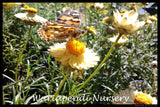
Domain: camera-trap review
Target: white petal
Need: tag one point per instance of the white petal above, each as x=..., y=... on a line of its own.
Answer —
x=124, y=21
x=132, y=17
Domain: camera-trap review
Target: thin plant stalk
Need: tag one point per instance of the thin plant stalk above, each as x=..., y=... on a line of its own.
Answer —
x=59, y=88
x=21, y=54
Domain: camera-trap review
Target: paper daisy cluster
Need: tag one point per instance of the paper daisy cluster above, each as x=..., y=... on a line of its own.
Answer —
x=151, y=19
x=74, y=54
x=126, y=22
x=30, y=17
x=135, y=97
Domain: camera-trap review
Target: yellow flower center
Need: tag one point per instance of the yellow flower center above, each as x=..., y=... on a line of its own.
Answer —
x=31, y=10
x=91, y=29
x=133, y=7
x=75, y=47
x=26, y=6
x=142, y=98
x=123, y=11
x=104, y=11
x=146, y=20
x=123, y=35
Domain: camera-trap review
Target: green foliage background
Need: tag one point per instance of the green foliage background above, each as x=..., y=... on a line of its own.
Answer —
x=39, y=73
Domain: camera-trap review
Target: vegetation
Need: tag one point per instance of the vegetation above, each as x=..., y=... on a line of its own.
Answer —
x=30, y=72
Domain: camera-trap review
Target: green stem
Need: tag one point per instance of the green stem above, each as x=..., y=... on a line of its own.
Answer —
x=21, y=54
x=3, y=98
x=61, y=84
x=154, y=81
x=100, y=65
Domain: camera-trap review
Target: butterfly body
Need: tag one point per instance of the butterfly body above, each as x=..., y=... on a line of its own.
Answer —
x=66, y=27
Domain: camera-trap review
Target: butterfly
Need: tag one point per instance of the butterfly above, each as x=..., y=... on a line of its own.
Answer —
x=66, y=27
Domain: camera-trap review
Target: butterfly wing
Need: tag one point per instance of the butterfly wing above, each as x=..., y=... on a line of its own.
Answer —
x=64, y=28
x=58, y=32
x=53, y=31
x=70, y=17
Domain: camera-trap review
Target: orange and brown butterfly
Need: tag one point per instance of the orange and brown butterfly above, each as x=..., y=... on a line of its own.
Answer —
x=66, y=27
